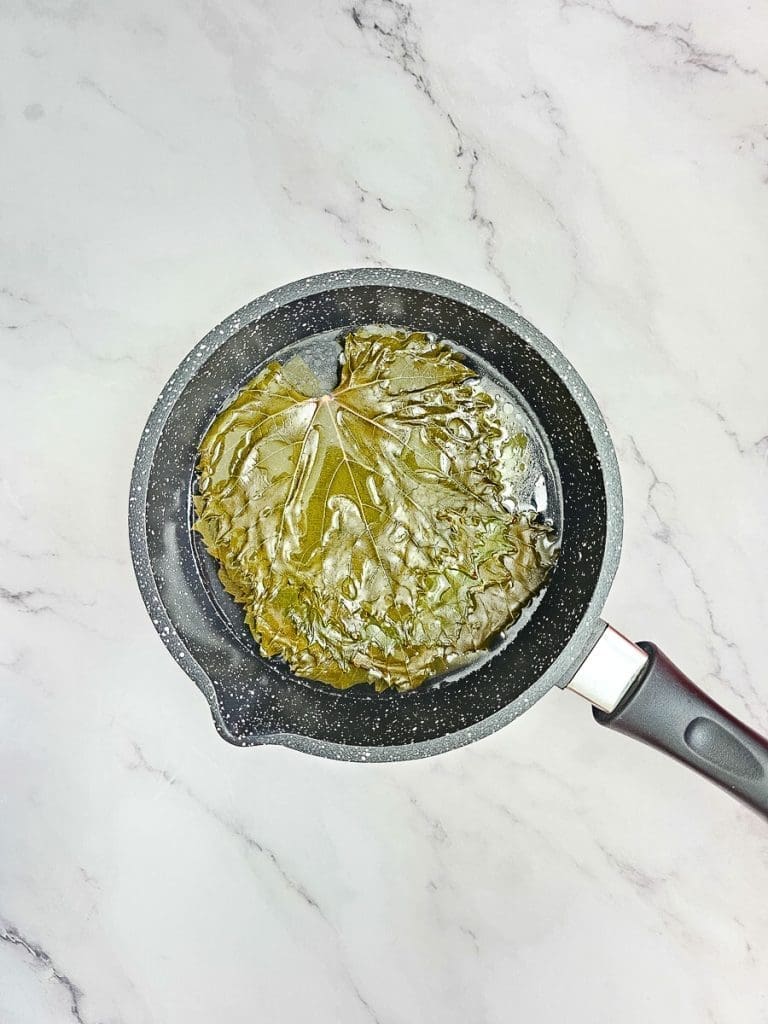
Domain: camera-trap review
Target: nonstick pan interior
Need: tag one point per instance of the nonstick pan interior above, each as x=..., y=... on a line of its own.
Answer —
x=255, y=700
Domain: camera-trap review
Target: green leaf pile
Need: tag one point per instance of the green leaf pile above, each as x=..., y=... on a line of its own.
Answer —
x=365, y=531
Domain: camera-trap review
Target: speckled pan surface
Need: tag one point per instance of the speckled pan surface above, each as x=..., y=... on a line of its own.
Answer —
x=255, y=701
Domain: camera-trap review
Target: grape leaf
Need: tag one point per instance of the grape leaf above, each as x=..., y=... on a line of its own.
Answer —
x=365, y=531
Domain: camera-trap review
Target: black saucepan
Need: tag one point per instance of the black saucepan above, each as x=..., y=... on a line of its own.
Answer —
x=563, y=642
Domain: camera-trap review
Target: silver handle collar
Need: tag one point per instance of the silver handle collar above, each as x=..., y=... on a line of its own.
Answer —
x=608, y=671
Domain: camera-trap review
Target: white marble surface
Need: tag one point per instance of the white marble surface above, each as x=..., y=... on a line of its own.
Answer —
x=601, y=165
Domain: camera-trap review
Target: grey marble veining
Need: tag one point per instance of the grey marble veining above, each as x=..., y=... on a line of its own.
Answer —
x=602, y=168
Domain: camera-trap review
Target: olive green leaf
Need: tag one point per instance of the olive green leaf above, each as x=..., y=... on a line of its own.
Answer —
x=365, y=531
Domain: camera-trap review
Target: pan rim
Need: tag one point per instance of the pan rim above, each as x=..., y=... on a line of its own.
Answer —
x=587, y=631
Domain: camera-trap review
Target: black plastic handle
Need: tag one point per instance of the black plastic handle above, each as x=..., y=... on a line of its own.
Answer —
x=665, y=709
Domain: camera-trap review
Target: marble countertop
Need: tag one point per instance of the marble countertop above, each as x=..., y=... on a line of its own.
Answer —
x=601, y=166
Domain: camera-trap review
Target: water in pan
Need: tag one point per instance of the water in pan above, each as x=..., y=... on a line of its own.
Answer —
x=537, y=491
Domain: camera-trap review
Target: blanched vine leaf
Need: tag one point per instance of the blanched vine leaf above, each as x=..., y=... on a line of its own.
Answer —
x=364, y=531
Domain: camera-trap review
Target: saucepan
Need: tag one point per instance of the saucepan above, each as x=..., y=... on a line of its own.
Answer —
x=633, y=687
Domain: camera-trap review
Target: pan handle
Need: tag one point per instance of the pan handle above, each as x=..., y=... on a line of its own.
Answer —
x=666, y=710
